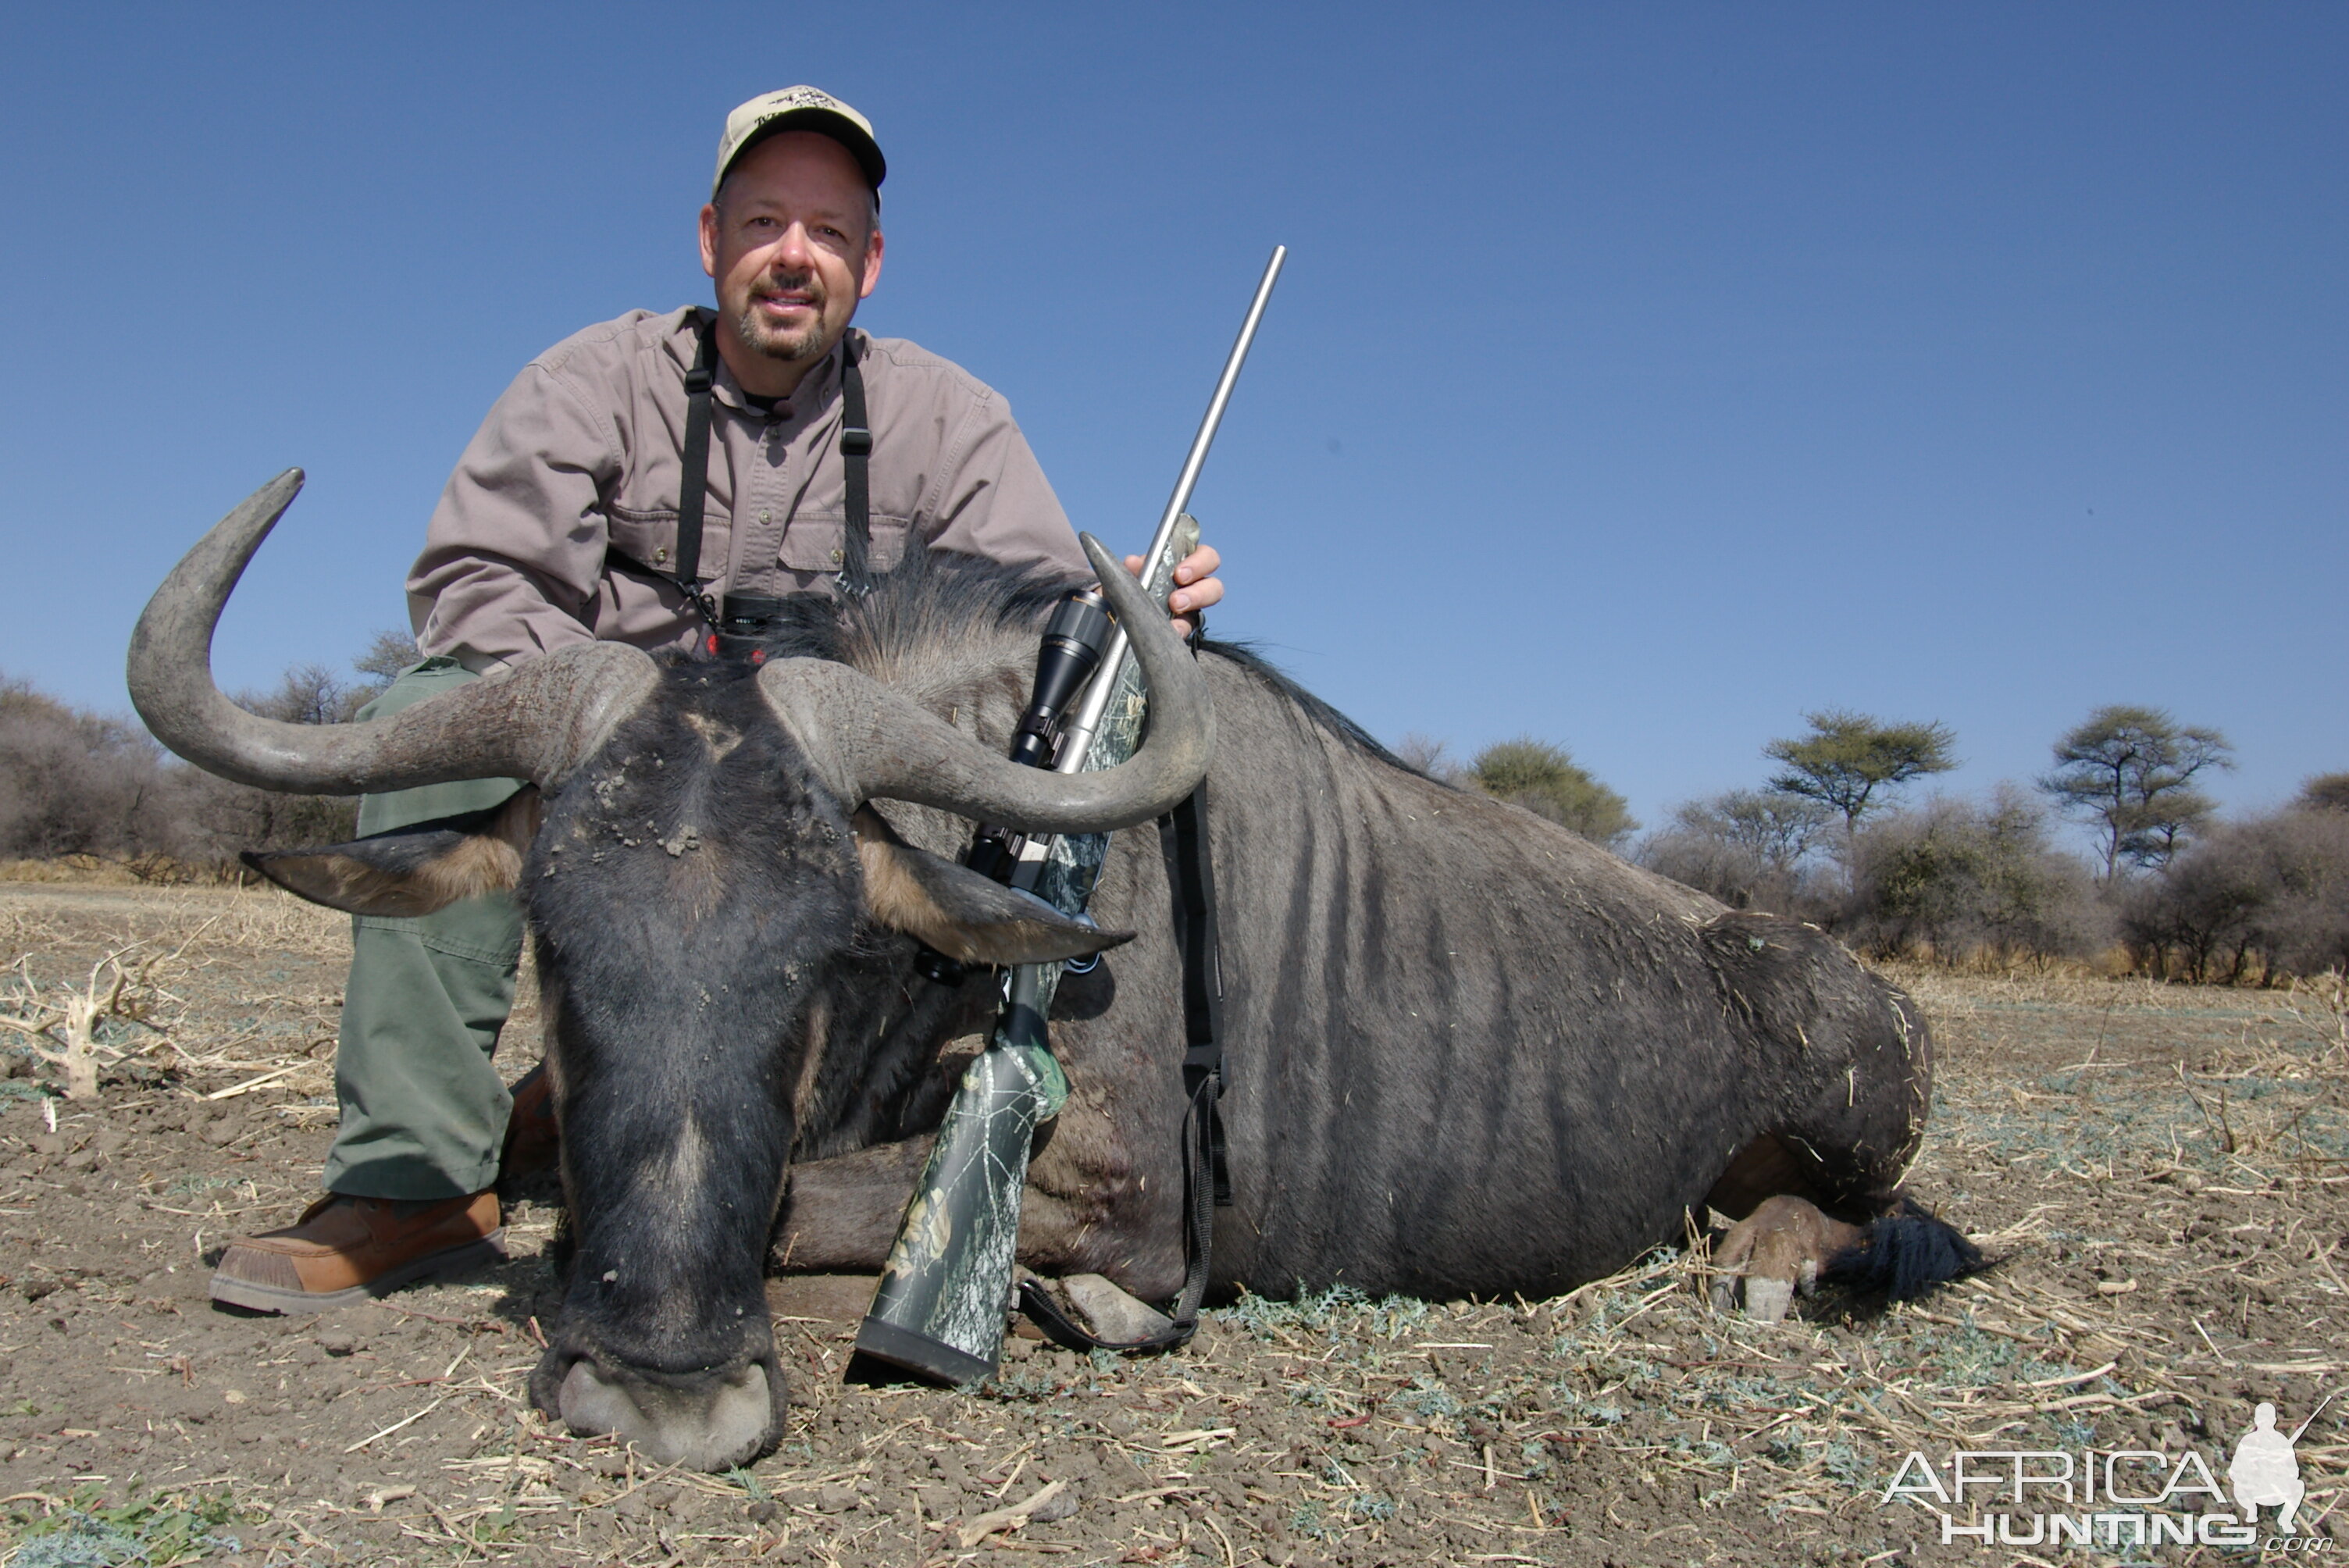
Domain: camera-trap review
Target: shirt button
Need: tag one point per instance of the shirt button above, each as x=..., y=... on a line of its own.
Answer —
x=835, y=558
x=766, y=517
x=660, y=555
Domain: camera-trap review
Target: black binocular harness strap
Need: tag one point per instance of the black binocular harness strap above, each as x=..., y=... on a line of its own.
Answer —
x=693, y=489
x=855, y=452
x=1206, y=1175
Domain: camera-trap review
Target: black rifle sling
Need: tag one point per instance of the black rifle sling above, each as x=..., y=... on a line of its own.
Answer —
x=693, y=491
x=856, y=454
x=1207, y=1179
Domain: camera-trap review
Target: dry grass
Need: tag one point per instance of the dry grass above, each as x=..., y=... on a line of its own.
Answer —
x=219, y=990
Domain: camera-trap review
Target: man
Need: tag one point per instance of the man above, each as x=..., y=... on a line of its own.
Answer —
x=2266, y=1472
x=569, y=519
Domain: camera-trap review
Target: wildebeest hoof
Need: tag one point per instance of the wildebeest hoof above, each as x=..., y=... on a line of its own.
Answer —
x=713, y=1425
x=1774, y=1252
x=1766, y=1300
x=1112, y=1314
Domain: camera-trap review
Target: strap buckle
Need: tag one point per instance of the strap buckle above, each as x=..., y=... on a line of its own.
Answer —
x=855, y=441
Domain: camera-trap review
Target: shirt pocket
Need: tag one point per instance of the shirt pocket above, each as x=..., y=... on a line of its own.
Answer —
x=650, y=538
x=819, y=543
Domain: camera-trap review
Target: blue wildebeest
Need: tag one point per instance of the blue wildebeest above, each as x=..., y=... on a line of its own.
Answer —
x=1468, y=1051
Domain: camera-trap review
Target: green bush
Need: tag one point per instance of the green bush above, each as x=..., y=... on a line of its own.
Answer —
x=1546, y=780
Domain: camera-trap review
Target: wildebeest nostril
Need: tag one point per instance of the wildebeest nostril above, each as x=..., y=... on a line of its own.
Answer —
x=712, y=1425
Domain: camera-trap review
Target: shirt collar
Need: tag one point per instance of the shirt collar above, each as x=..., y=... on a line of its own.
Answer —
x=815, y=391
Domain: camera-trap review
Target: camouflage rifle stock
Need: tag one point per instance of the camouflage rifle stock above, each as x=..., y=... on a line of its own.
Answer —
x=947, y=1286
x=940, y=1306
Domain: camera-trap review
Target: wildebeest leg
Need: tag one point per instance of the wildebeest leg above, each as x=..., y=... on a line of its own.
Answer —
x=1782, y=1239
x=841, y=1213
x=1785, y=1200
x=1088, y=1209
x=1774, y=1252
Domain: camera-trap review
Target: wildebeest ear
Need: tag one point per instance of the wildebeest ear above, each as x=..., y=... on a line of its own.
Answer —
x=411, y=871
x=960, y=912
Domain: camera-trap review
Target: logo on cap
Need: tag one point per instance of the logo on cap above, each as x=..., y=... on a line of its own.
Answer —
x=811, y=108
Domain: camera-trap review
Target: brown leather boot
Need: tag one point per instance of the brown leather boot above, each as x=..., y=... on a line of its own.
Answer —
x=346, y=1249
x=533, y=1137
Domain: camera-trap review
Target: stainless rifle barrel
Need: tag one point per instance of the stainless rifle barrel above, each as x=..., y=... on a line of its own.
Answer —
x=1189, y=477
x=1078, y=737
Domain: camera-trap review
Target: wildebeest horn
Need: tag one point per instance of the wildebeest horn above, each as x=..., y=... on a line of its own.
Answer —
x=872, y=744
x=537, y=723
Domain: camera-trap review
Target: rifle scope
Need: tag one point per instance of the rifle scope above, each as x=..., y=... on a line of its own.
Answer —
x=1072, y=651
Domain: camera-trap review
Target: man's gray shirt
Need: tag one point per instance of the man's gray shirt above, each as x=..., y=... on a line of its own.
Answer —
x=582, y=454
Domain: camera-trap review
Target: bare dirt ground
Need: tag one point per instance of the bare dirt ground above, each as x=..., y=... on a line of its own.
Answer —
x=2164, y=1171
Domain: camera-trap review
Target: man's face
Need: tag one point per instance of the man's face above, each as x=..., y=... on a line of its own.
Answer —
x=793, y=244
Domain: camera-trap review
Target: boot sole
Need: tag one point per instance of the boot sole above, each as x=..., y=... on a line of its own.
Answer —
x=253, y=1297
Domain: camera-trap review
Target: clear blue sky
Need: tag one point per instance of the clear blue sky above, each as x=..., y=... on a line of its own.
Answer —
x=1643, y=376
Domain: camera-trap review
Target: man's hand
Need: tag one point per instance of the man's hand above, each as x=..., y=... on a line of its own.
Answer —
x=1196, y=585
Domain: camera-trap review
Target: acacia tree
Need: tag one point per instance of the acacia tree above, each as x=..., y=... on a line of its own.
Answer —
x=2275, y=887
x=239, y=815
x=73, y=782
x=1848, y=757
x=390, y=653
x=2129, y=771
x=1958, y=876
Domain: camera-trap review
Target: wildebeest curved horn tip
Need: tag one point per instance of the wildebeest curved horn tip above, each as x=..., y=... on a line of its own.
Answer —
x=535, y=722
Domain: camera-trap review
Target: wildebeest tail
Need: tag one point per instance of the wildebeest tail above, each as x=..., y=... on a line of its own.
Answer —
x=1904, y=1254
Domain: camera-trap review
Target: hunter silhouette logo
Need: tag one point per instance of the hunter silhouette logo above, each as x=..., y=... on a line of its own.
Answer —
x=2266, y=1472
x=2115, y=1498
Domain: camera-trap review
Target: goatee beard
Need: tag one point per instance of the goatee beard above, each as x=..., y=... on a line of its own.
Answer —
x=791, y=347
x=779, y=343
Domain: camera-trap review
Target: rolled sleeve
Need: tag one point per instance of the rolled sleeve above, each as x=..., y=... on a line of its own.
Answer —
x=516, y=548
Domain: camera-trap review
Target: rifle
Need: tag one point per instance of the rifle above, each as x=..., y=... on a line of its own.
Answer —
x=940, y=1307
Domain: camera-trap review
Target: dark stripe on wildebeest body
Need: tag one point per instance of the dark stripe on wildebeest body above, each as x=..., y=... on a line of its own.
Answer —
x=1406, y=1159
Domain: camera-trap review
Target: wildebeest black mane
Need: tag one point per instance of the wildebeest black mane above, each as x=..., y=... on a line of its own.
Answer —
x=931, y=594
x=1320, y=714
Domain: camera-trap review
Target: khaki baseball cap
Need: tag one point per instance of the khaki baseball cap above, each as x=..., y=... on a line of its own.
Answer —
x=799, y=108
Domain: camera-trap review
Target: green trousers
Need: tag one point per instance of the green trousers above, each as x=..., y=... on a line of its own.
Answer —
x=423, y=1108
